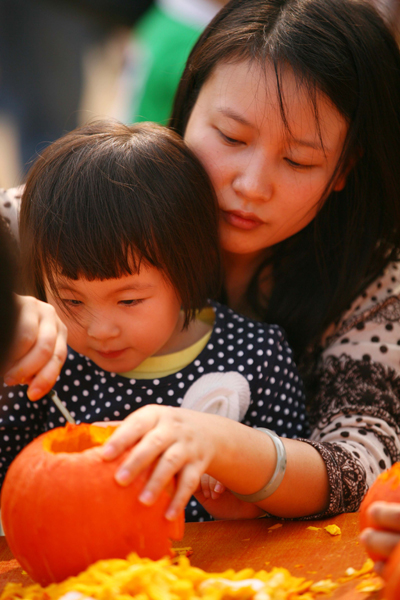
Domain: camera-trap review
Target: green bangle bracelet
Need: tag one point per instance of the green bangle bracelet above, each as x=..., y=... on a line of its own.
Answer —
x=278, y=475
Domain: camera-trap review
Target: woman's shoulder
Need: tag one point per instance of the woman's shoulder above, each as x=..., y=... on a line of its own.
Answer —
x=10, y=201
x=370, y=328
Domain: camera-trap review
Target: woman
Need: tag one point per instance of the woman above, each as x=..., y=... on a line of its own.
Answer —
x=293, y=108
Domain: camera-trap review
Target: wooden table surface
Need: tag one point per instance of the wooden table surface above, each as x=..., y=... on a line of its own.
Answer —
x=218, y=545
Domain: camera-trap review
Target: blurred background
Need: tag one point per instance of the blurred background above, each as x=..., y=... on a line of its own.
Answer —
x=65, y=62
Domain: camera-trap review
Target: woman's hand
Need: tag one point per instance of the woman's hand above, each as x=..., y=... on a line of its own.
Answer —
x=180, y=440
x=39, y=348
x=384, y=533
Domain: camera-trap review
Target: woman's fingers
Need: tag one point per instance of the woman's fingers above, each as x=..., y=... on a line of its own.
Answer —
x=129, y=432
x=169, y=438
x=380, y=542
x=188, y=481
x=157, y=444
x=39, y=349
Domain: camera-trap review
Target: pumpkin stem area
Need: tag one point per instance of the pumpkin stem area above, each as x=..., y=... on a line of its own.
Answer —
x=76, y=438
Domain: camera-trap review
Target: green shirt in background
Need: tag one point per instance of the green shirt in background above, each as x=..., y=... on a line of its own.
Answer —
x=164, y=46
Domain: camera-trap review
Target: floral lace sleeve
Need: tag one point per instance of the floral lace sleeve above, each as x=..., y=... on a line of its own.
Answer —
x=355, y=409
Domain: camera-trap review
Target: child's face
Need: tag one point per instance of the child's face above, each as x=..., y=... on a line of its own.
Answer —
x=118, y=323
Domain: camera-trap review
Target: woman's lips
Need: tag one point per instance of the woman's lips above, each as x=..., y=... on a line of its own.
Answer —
x=241, y=220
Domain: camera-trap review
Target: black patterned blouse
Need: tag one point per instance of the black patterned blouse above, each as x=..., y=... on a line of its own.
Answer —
x=354, y=408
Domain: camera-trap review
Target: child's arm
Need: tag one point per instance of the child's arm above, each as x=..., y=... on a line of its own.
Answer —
x=39, y=348
x=188, y=444
x=384, y=535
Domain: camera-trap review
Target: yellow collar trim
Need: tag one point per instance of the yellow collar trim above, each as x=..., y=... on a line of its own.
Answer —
x=156, y=367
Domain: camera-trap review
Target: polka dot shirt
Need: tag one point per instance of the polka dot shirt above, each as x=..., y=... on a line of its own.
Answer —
x=257, y=351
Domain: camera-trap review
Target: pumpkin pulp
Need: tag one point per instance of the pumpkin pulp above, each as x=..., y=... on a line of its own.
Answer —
x=76, y=438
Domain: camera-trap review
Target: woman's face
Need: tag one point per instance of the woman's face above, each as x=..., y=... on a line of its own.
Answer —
x=269, y=178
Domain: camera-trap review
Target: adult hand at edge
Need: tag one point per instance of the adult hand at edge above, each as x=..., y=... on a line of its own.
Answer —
x=39, y=348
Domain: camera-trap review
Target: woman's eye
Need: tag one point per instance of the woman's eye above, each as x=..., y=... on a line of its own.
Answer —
x=297, y=165
x=228, y=139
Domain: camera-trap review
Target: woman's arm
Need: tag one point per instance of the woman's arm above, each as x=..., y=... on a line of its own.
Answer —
x=355, y=412
x=189, y=443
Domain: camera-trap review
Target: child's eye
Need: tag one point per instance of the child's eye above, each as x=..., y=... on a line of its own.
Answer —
x=71, y=302
x=130, y=302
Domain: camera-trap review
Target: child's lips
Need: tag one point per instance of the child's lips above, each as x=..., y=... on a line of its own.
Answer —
x=111, y=354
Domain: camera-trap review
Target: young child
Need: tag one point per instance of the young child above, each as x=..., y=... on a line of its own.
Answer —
x=119, y=233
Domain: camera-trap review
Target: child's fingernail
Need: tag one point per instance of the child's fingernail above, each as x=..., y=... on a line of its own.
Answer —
x=146, y=497
x=108, y=451
x=219, y=488
x=171, y=514
x=9, y=380
x=123, y=476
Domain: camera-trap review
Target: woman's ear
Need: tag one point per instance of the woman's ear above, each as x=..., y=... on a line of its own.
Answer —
x=341, y=180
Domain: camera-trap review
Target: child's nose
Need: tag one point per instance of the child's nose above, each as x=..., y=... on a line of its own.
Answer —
x=101, y=328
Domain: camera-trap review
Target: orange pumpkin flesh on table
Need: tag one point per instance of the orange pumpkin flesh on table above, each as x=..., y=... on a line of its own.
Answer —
x=62, y=509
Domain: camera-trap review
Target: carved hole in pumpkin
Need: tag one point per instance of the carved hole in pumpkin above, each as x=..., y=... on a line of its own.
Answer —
x=76, y=438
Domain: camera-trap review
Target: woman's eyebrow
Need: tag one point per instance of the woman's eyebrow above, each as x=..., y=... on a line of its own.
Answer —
x=232, y=114
x=308, y=144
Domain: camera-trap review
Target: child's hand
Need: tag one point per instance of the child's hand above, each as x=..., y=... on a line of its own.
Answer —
x=39, y=348
x=228, y=506
x=210, y=487
x=384, y=534
x=181, y=441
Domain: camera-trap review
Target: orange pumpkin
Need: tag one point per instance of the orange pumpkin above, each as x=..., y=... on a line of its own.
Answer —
x=386, y=487
x=63, y=510
x=391, y=575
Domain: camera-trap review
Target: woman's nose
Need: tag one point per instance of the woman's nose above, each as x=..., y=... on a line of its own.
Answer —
x=254, y=181
x=102, y=328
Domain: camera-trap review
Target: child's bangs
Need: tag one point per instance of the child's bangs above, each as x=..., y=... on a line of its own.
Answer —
x=104, y=239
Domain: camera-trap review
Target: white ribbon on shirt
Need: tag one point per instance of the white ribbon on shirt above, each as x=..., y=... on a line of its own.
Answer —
x=224, y=394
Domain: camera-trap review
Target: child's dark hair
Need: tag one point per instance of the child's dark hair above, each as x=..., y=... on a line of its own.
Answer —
x=343, y=49
x=107, y=196
x=8, y=305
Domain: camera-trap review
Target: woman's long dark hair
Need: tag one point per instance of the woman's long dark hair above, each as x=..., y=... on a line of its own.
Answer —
x=343, y=49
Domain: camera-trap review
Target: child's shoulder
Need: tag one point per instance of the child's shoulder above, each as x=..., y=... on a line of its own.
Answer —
x=228, y=319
